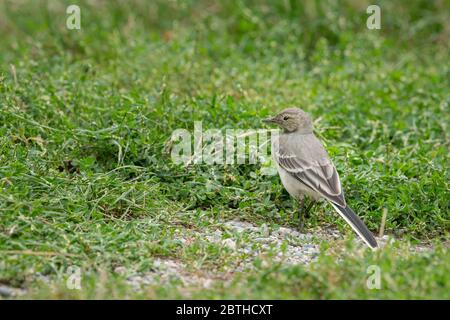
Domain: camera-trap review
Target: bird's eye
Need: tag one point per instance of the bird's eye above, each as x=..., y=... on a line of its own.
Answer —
x=285, y=117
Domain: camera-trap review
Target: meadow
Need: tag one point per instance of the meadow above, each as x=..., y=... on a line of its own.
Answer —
x=87, y=180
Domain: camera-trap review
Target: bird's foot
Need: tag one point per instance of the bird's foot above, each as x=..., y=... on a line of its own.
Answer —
x=301, y=222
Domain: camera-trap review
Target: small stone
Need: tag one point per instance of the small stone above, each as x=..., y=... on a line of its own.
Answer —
x=283, y=231
x=207, y=283
x=230, y=243
x=120, y=270
x=264, y=230
x=6, y=291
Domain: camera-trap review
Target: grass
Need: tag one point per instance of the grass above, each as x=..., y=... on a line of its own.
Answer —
x=404, y=276
x=85, y=118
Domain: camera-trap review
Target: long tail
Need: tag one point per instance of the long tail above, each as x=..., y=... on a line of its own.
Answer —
x=355, y=222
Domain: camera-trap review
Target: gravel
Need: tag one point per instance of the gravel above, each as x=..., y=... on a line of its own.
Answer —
x=10, y=292
x=246, y=242
x=164, y=271
x=284, y=245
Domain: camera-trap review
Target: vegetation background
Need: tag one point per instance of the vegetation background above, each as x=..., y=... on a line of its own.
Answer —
x=86, y=116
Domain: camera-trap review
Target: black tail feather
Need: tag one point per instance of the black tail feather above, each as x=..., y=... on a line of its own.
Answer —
x=356, y=223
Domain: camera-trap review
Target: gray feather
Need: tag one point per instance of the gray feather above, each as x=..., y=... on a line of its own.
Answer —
x=304, y=157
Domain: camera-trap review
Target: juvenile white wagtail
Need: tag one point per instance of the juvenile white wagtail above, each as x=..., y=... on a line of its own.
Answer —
x=306, y=169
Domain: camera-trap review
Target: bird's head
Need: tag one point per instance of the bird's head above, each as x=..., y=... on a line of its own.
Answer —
x=292, y=120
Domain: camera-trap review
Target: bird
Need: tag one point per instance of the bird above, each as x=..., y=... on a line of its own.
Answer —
x=305, y=169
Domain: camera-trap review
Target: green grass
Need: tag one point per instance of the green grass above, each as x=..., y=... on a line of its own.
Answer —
x=85, y=118
x=403, y=276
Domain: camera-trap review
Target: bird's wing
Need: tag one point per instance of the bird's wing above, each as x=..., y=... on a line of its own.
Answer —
x=319, y=174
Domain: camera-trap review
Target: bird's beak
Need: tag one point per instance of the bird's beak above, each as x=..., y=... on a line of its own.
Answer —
x=270, y=120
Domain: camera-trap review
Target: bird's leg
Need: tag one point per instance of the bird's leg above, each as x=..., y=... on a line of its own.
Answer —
x=310, y=206
x=304, y=212
x=301, y=217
